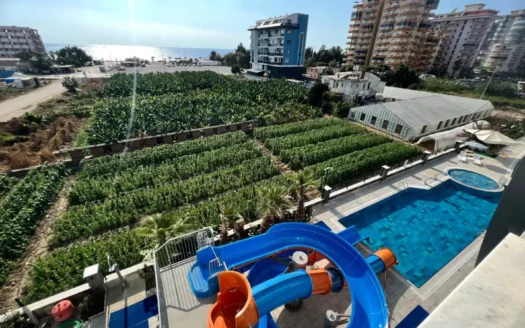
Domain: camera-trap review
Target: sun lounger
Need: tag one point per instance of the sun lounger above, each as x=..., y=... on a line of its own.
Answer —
x=477, y=160
x=462, y=157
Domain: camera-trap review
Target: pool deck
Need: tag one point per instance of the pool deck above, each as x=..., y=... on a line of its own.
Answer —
x=402, y=297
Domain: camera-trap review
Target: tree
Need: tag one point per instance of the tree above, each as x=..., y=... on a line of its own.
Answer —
x=440, y=71
x=229, y=59
x=242, y=49
x=333, y=63
x=162, y=226
x=403, y=77
x=227, y=213
x=70, y=84
x=500, y=89
x=41, y=62
x=243, y=59
x=273, y=201
x=213, y=54
x=309, y=53
x=25, y=55
x=301, y=183
x=236, y=69
x=72, y=56
x=315, y=94
x=310, y=62
x=458, y=64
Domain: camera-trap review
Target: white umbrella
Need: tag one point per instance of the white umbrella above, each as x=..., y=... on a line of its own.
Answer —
x=476, y=145
x=492, y=137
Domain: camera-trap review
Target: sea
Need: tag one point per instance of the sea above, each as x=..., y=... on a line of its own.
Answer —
x=119, y=53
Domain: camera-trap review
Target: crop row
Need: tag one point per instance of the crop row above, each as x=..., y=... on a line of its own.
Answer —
x=362, y=162
x=6, y=183
x=93, y=218
x=311, y=154
x=171, y=170
x=21, y=210
x=111, y=165
x=62, y=269
x=276, y=145
x=275, y=131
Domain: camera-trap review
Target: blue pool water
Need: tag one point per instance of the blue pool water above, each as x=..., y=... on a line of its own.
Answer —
x=426, y=228
x=473, y=179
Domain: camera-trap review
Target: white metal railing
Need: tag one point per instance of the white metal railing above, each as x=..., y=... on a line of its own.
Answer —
x=183, y=247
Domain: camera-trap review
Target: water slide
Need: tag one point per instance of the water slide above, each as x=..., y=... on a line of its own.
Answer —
x=239, y=305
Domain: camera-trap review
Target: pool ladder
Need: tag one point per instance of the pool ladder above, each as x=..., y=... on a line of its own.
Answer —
x=403, y=184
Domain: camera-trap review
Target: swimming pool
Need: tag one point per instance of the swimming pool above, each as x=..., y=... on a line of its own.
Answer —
x=473, y=179
x=425, y=228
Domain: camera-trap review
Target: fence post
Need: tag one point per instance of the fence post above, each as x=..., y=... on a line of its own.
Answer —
x=426, y=154
x=326, y=194
x=384, y=172
x=457, y=146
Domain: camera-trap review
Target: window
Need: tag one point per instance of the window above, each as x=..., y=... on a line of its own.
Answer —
x=453, y=121
x=423, y=129
x=288, y=52
x=301, y=36
x=439, y=125
x=289, y=31
x=288, y=42
x=398, y=129
x=369, y=85
x=287, y=60
x=363, y=115
x=352, y=114
x=385, y=125
x=373, y=121
x=446, y=123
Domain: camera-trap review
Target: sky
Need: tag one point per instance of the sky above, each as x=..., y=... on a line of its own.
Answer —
x=219, y=24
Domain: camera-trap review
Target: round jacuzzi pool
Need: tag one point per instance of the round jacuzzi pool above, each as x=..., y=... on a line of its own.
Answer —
x=473, y=179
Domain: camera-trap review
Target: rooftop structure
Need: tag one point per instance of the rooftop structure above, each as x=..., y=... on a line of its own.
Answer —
x=463, y=34
x=355, y=84
x=278, y=45
x=421, y=114
x=507, y=44
x=391, y=32
x=14, y=39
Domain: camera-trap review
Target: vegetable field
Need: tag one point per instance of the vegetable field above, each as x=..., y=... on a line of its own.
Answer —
x=21, y=209
x=170, y=102
x=349, y=149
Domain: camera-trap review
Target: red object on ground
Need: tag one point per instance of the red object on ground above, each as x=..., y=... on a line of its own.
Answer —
x=62, y=311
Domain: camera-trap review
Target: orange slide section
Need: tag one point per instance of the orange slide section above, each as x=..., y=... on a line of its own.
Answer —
x=235, y=306
x=388, y=257
x=321, y=281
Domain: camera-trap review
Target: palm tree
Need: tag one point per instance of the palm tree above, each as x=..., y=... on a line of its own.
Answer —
x=302, y=183
x=161, y=226
x=227, y=213
x=273, y=201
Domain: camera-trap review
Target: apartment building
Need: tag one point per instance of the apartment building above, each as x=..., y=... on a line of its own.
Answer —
x=392, y=32
x=14, y=39
x=506, y=49
x=278, y=45
x=463, y=34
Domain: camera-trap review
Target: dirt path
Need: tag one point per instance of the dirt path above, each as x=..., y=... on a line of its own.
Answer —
x=22, y=104
x=37, y=248
x=266, y=152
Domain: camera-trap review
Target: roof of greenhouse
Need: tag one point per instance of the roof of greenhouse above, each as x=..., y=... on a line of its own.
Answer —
x=432, y=109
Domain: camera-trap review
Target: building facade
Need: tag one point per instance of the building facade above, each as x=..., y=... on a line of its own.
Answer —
x=506, y=49
x=392, y=32
x=463, y=33
x=278, y=45
x=354, y=85
x=15, y=39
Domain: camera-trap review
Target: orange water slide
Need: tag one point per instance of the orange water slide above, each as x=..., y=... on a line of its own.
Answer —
x=235, y=306
x=321, y=281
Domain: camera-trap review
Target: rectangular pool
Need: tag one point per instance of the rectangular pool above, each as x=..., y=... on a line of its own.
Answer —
x=425, y=228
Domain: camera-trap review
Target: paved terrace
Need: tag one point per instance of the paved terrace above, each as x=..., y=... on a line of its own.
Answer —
x=179, y=308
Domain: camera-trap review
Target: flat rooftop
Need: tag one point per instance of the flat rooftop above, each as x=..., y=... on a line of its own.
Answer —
x=491, y=296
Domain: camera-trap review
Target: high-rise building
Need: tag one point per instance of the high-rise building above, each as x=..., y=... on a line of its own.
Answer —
x=507, y=45
x=278, y=45
x=15, y=39
x=392, y=32
x=463, y=34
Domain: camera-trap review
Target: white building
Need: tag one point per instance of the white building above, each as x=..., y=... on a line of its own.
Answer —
x=15, y=39
x=421, y=113
x=507, y=45
x=463, y=34
x=354, y=84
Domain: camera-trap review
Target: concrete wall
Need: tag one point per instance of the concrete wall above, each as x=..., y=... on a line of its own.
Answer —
x=510, y=214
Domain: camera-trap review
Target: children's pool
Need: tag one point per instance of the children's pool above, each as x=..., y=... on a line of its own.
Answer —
x=473, y=179
x=426, y=228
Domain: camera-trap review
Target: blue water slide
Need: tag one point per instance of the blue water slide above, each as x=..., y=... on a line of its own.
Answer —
x=264, y=270
x=369, y=307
